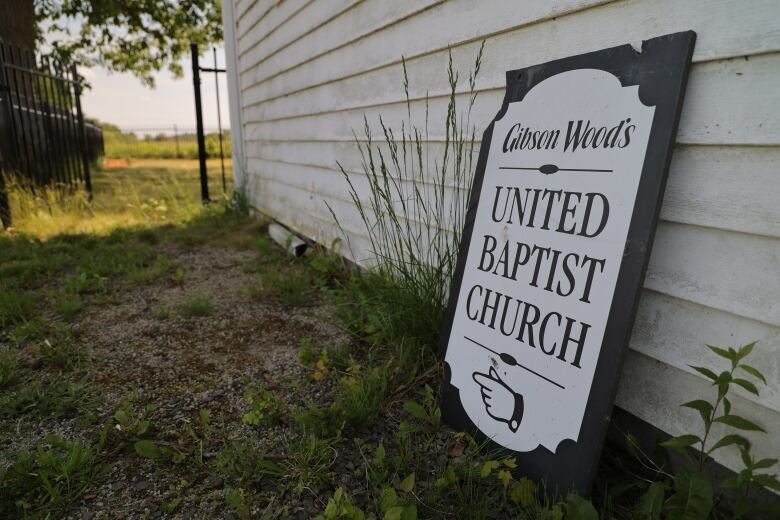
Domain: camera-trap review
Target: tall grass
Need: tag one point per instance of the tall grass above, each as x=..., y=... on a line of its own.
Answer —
x=413, y=213
x=150, y=193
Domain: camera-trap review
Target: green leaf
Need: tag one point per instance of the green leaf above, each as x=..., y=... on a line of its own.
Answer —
x=505, y=477
x=747, y=460
x=388, y=499
x=735, y=421
x=651, y=504
x=142, y=428
x=730, y=354
x=692, y=498
x=753, y=372
x=394, y=513
x=487, y=467
x=729, y=440
x=122, y=417
x=523, y=492
x=683, y=441
x=407, y=484
x=577, y=508
x=724, y=378
x=768, y=481
x=410, y=512
x=703, y=407
x=746, y=350
x=709, y=374
x=764, y=463
x=148, y=450
x=747, y=385
x=415, y=410
x=726, y=406
x=379, y=456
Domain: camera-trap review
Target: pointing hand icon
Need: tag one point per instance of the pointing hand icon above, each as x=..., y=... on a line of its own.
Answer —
x=501, y=402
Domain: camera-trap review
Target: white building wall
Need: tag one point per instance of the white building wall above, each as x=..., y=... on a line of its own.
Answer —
x=308, y=70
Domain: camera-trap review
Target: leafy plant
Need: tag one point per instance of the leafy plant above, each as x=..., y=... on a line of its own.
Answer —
x=692, y=493
x=340, y=507
x=265, y=407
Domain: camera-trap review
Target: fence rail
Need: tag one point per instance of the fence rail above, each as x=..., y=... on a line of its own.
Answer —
x=44, y=140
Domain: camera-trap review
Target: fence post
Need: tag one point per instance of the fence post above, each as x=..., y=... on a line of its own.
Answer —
x=6, y=121
x=176, y=139
x=82, y=131
x=204, y=180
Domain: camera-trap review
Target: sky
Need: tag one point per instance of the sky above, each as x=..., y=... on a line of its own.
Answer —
x=121, y=99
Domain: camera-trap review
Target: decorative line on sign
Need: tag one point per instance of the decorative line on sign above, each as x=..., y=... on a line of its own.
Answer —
x=549, y=169
x=511, y=361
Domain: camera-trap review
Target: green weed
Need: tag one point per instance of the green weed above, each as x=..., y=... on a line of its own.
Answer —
x=67, y=304
x=161, y=312
x=197, y=305
x=16, y=306
x=9, y=366
x=307, y=462
x=265, y=407
x=413, y=215
x=55, y=399
x=48, y=481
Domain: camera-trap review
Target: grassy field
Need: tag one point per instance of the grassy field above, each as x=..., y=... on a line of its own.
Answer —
x=120, y=145
x=136, y=192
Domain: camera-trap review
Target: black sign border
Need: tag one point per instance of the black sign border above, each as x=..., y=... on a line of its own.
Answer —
x=661, y=71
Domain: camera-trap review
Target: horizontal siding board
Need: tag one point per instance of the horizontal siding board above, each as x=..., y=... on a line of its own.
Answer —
x=653, y=390
x=317, y=14
x=706, y=119
x=720, y=23
x=250, y=14
x=732, y=272
x=675, y=331
x=272, y=21
x=708, y=185
x=412, y=37
x=368, y=18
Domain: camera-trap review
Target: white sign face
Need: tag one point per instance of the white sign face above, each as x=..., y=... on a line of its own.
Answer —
x=556, y=202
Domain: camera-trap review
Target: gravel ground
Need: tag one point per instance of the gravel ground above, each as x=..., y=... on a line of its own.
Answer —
x=142, y=342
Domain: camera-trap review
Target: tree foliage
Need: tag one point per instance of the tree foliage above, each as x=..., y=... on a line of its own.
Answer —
x=136, y=36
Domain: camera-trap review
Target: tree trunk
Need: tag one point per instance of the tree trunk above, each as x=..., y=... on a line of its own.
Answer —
x=17, y=22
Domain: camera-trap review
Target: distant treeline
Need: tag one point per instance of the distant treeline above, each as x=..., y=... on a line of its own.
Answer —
x=127, y=145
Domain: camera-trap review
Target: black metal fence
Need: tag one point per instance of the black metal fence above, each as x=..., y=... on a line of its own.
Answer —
x=44, y=140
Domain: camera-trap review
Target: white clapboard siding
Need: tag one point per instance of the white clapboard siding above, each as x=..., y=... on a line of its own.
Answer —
x=590, y=29
x=318, y=13
x=750, y=86
x=310, y=70
x=708, y=185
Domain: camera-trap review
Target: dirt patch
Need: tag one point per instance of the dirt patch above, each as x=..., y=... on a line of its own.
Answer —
x=145, y=346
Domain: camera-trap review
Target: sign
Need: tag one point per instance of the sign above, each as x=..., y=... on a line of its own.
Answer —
x=561, y=218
